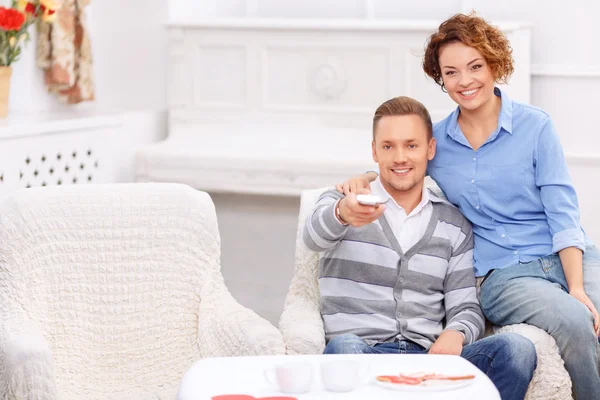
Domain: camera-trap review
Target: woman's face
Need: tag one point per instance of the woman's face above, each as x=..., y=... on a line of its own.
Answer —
x=466, y=75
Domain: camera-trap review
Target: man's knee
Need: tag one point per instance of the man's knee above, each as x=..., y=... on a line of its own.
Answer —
x=516, y=352
x=346, y=344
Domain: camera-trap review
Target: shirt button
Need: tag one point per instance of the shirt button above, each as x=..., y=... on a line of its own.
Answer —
x=401, y=280
x=503, y=235
x=399, y=315
x=477, y=207
x=516, y=252
x=472, y=180
x=474, y=158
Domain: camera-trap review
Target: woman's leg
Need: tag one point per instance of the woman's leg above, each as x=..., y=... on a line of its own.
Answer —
x=508, y=359
x=591, y=274
x=535, y=293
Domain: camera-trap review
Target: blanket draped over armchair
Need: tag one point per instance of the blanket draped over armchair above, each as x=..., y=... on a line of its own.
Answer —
x=113, y=291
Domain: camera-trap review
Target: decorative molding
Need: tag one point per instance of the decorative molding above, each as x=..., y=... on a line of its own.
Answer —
x=304, y=79
x=243, y=178
x=304, y=24
x=199, y=78
x=370, y=9
x=177, y=68
x=21, y=125
x=246, y=180
x=251, y=8
x=329, y=79
x=565, y=71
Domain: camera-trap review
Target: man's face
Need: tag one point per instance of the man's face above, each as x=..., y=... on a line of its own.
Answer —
x=402, y=149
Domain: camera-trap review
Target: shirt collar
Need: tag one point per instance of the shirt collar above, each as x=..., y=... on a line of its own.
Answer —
x=504, y=120
x=506, y=111
x=378, y=189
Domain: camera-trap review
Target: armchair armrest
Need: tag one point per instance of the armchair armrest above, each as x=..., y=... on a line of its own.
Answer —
x=302, y=328
x=26, y=366
x=550, y=379
x=226, y=328
x=301, y=323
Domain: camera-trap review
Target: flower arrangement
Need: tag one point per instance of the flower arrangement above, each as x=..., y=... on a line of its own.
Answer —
x=15, y=22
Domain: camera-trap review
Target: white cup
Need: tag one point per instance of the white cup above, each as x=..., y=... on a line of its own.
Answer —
x=291, y=378
x=343, y=375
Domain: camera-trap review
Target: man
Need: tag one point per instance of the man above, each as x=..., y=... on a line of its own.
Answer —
x=390, y=279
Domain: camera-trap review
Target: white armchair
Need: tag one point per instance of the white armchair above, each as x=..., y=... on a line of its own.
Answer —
x=302, y=326
x=113, y=291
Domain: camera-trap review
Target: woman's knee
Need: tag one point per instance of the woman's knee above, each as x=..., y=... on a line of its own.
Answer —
x=345, y=344
x=574, y=324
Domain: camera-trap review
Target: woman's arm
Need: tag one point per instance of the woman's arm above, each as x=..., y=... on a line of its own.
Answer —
x=556, y=189
x=571, y=259
x=562, y=211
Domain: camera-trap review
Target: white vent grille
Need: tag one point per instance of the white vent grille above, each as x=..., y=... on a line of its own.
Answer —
x=76, y=166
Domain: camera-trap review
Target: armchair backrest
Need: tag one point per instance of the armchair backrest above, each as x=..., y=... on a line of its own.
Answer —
x=301, y=323
x=306, y=261
x=305, y=256
x=112, y=275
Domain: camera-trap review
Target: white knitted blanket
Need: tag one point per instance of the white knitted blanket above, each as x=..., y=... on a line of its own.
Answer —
x=113, y=291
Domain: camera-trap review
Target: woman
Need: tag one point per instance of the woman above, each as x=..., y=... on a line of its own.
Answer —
x=502, y=164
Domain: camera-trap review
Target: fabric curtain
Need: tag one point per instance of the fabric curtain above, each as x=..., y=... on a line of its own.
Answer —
x=64, y=53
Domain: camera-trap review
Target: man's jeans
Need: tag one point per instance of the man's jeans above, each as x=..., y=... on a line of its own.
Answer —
x=536, y=293
x=507, y=359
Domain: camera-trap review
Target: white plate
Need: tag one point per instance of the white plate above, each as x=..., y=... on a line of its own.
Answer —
x=427, y=386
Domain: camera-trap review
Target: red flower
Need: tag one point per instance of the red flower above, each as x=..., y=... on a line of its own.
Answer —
x=30, y=8
x=43, y=11
x=11, y=19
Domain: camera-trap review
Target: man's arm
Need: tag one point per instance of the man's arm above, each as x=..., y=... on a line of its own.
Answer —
x=463, y=313
x=323, y=229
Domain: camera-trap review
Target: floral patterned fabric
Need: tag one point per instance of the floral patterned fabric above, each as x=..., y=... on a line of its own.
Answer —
x=64, y=52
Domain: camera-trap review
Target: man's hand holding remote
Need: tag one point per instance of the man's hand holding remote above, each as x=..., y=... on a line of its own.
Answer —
x=356, y=214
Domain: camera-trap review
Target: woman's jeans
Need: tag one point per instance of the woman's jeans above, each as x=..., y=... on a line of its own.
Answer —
x=508, y=359
x=536, y=293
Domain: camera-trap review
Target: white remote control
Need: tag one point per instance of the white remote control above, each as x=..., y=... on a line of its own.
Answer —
x=368, y=199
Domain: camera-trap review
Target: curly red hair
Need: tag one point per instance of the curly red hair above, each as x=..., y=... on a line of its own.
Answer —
x=475, y=32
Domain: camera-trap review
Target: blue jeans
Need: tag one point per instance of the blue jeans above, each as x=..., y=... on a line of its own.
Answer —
x=507, y=359
x=536, y=293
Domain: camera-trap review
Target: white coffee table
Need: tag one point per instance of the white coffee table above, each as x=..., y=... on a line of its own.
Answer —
x=245, y=375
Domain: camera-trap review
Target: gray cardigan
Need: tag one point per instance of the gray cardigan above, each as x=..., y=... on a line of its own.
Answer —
x=370, y=287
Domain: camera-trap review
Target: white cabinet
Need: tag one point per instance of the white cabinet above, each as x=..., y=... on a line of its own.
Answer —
x=275, y=106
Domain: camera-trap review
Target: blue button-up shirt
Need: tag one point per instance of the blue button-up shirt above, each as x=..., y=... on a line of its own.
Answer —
x=515, y=189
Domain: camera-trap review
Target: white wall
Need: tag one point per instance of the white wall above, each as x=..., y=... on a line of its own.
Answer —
x=130, y=57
